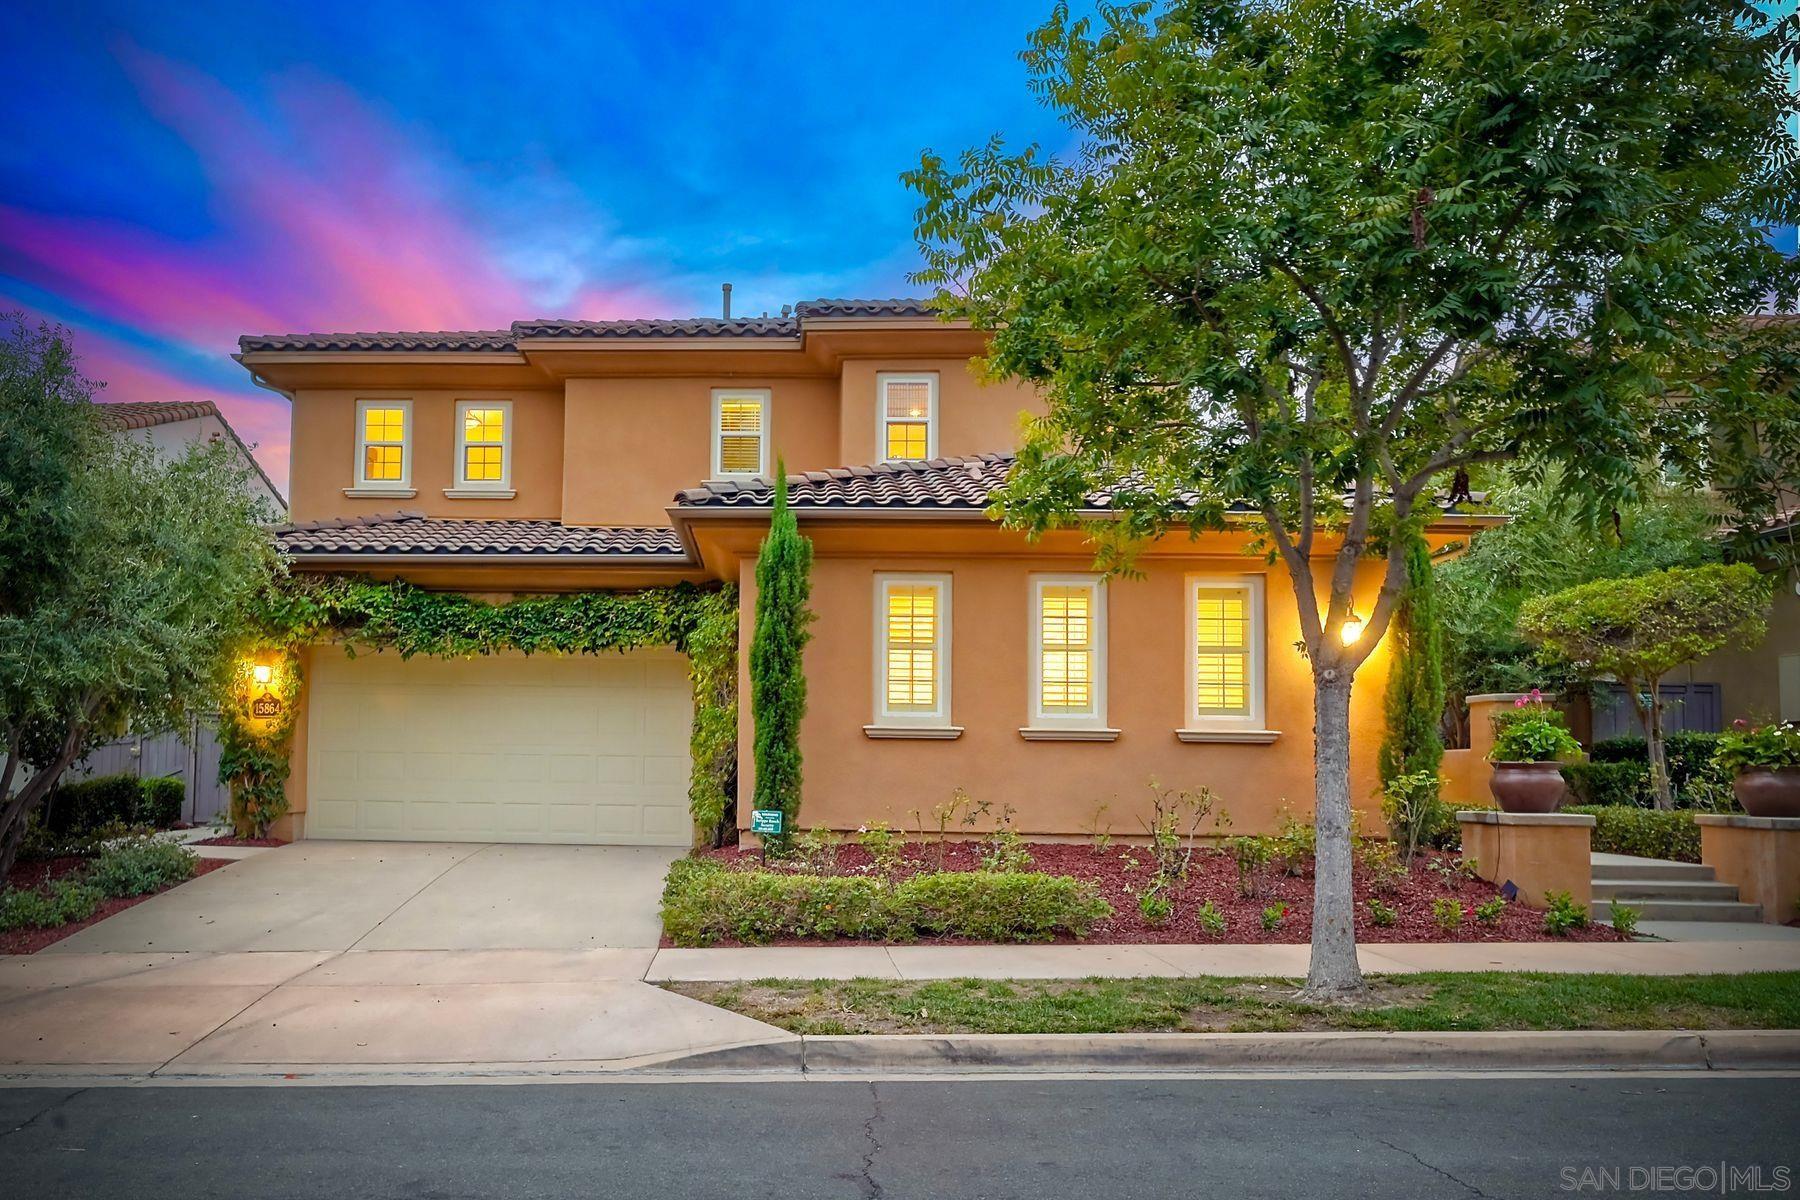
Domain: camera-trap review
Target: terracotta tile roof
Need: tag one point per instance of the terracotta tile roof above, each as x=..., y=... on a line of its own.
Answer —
x=415, y=533
x=142, y=414
x=502, y=340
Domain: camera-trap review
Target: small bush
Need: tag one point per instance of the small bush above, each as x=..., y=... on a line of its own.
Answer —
x=1601, y=782
x=1016, y=907
x=1624, y=919
x=1381, y=914
x=1212, y=920
x=1155, y=906
x=1251, y=854
x=63, y=901
x=1380, y=863
x=1690, y=754
x=1003, y=852
x=1489, y=911
x=88, y=804
x=1563, y=914
x=1273, y=916
x=885, y=847
x=1447, y=912
x=1294, y=846
x=816, y=851
x=139, y=866
x=160, y=801
x=1644, y=832
x=1415, y=811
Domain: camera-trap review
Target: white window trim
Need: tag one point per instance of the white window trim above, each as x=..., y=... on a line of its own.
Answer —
x=483, y=489
x=1046, y=726
x=763, y=397
x=398, y=488
x=882, y=379
x=917, y=724
x=1213, y=727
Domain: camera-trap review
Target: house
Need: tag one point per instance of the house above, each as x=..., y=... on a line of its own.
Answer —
x=171, y=426
x=947, y=652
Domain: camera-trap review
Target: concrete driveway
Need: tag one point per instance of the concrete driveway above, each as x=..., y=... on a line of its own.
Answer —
x=338, y=896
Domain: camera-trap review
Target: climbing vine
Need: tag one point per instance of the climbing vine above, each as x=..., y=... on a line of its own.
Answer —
x=363, y=614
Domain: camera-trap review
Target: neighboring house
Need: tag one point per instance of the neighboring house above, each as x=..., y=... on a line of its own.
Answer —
x=193, y=755
x=947, y=651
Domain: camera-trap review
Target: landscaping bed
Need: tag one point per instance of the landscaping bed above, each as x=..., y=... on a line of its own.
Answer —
x=1487, y=1000
x=233, y=840
x=1266, y=903
x=118, y=882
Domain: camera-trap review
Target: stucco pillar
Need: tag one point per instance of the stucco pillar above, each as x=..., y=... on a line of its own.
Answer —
x=1467, y=775
x=1761, y=855
x=1539, y=852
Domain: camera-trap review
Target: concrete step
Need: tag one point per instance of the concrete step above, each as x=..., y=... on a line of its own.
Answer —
x=1624, y=866
x=1682, y=910
x=1633, y=890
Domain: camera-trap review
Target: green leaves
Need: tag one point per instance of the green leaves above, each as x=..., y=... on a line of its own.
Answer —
x=777, y=669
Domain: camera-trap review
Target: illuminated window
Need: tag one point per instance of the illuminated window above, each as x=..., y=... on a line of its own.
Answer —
x=912, y=640
x=740, y=433
x=483, y=461
x=1068, y=650
x=908, y=417
x=1224, y=652
x=383, y=455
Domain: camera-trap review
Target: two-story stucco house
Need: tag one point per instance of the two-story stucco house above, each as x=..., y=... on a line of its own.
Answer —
x=947, y=651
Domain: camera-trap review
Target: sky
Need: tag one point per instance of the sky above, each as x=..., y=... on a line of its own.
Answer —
x=175, y=175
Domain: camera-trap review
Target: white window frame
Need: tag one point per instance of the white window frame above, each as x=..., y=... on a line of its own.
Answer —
x=383, y=487
x=482, y=488
x=939, y=717
x=882, y=379
x=761, y=396
x=1250, y=723
x=1042, y=720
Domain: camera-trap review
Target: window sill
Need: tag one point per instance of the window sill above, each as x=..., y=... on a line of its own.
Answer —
x=1250, y=737
x=1037, y=733
x=925, y=732
x=380, y=493
x=466, y=493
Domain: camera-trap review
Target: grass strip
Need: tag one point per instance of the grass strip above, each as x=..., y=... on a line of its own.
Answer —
x=1488, y=1000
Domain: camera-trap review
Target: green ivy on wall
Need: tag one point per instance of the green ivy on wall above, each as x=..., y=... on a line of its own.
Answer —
x=363, y=614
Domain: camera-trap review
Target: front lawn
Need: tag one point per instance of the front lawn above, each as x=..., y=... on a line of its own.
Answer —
x=1489, y=1000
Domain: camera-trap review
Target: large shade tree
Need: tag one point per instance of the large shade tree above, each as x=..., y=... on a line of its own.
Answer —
x=1318, y=256
x=124, y=576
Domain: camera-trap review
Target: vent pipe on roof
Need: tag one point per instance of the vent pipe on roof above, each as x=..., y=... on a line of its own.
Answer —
x=726, y=290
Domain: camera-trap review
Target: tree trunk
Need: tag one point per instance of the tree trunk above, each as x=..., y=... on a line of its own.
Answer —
x=15, y=811
x=1333, y=973
x=1659, y=759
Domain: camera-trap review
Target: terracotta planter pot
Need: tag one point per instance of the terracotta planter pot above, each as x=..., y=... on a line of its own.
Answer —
x=1769, y=792
x=1529, y=787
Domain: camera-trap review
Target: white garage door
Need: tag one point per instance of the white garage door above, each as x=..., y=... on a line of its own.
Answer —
x=503, y=749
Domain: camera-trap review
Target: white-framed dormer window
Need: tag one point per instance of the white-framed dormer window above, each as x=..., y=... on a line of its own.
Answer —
x=912, y=657
x=484, y=434
x=383, y=448
x=906, y=416
x=1225, y=659
x=1067, y=619
x=740, y=433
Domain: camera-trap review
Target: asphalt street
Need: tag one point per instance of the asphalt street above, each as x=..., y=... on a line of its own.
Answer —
x=1392, y=1138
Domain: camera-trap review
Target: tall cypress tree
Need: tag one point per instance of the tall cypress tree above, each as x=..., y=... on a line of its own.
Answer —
x=1415, y=689
x=777, y=673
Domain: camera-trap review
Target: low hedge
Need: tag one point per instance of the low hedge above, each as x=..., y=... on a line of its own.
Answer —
x=1690, y=754
x=1609, y=783
x=63, y=901
x=161, y=801
x=111, y=801
x=141, y=865
x=705, y=901
x=1645, y=832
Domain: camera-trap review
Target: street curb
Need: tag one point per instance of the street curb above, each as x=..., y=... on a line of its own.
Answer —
x=1722, y=1050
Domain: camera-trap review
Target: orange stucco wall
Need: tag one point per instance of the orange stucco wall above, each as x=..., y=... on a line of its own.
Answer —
x=1056, y=787
x=973, y=417
x=323, y=458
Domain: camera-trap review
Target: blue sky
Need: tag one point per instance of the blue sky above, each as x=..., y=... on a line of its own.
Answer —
x=175, y=175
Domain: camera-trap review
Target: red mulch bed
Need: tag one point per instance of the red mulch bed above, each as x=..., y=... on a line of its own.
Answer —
x=1123, y=872
x=229, y=840
x=36, y=874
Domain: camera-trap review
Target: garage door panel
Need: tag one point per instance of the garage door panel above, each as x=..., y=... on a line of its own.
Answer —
x=504, y=748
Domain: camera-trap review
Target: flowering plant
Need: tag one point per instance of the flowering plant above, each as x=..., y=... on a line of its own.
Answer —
x=1532, y=731
x=1759, y=747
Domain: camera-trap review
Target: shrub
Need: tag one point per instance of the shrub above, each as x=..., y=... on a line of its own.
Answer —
x=1644, y=832
x=1251, y=853
x=1764, y=747
x=1155, y=906
x=1381, y=914
x=1447, y=912
x=160, y=801
x=1003, y=852
x=1690, y=755
x=1380, y=862
x=1608, y=783
x=703, y=902
x=1624, y=919
x=1273, y=915
x=1212, y=920
x=1563, y=914
x=88, y=804
x=1415, y=689
x=141, y=865
x=777, y=646
x=63, y=901
x=1532, y=731
x=1294, y=846
x=1415, y=812
x=1489, y=911
x=816, y=850
x=884, y=846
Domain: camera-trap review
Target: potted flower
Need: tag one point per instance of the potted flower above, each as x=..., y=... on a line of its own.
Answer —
x=1766, y=763
x=1531, y=742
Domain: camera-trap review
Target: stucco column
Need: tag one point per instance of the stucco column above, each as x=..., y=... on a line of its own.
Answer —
x=1761, y=855
x=1539, y=852
x=1467, y=773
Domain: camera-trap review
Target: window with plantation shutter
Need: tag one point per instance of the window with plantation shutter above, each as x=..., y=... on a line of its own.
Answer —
x=908, y=417
x=1224, y=652
x=1068, y=651
x=740, y=433
x=483, y=445
x=912, y=620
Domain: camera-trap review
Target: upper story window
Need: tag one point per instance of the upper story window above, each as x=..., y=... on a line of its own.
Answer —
x=912, y=640
x=383, y=445
x=1225, y=653
x=908, y=416
x=1068, y=652
x=483, y=447
x=740, y=433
